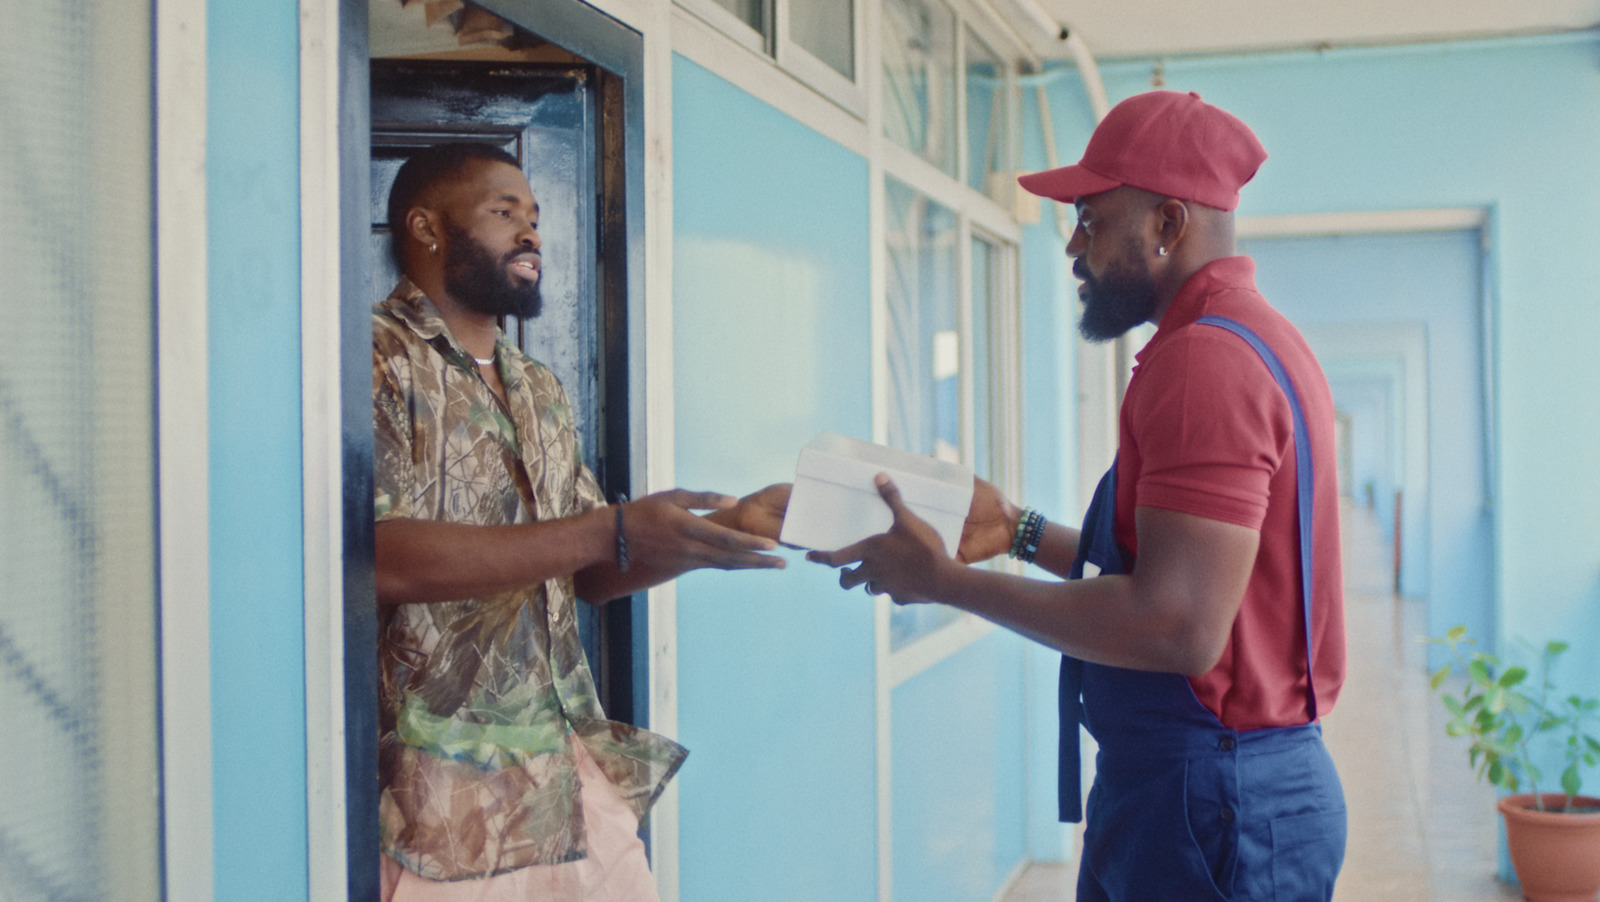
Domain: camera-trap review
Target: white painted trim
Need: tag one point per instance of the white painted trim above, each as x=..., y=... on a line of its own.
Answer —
x=878, y=286
x=820, y=76
x=931, y=649
x=726, y=22
x=321, y=451
x=661, y=415
x=1361, y=222
x=657, y=22
x=761, y=77
x=184, y=455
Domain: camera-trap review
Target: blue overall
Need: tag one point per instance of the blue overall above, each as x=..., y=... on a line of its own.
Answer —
x=1182, y=807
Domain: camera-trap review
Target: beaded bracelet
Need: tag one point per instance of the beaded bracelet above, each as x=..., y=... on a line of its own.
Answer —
x=1030, y=530
x=622, y=539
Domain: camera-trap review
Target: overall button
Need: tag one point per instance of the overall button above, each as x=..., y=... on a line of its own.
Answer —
x=1226, y=744
x=1227, y=815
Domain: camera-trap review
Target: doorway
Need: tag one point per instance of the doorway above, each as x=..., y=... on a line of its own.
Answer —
x=559, y=85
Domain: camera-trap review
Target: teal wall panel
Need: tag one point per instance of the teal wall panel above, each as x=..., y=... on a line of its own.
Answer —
x=959, y=812
x=771, y=345
x=257, y=624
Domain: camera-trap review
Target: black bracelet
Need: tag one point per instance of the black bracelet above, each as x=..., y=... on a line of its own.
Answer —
x=622, y=539
x=1030, y=531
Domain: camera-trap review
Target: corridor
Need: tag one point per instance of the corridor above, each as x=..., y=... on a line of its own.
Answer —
x=1421, y=829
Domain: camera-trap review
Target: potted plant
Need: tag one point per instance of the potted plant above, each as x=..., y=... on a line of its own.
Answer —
x=1553, y=837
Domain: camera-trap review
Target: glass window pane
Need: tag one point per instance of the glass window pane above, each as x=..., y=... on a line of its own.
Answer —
x=988, y=122
x=751, y=12
x=826, y=29
x=78, y=805
x=919, y=79
x=924, y=352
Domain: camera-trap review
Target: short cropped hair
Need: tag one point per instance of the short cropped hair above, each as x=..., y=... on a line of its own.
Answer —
x=428, y=167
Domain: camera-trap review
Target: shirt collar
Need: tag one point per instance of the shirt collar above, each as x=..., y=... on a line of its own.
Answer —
x=1219, y=275
x=411, y=306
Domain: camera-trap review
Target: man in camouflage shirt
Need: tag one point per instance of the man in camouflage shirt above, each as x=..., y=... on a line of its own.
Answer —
x=501, y=776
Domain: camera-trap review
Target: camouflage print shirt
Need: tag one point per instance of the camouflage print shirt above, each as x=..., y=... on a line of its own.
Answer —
x=482, y=698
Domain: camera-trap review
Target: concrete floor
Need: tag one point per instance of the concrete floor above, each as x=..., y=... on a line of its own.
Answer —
x=1421, y=829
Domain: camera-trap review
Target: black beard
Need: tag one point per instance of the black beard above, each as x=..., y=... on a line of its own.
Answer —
x=481, y=283
x=1115, y=302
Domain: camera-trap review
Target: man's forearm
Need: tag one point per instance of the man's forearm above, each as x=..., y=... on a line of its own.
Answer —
x=428, y=561
x=1099, y=620
x=1174, y=613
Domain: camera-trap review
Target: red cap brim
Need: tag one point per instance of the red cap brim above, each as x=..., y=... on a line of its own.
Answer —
x=1066, y=183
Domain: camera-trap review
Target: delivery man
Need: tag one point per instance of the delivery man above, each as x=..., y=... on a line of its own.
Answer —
x=1201, y=613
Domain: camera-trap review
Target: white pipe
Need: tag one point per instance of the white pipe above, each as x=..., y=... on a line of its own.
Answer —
x=1090, y=71
x=1079, y=50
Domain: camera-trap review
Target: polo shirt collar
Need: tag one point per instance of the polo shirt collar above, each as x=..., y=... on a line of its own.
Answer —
x=1222, y=274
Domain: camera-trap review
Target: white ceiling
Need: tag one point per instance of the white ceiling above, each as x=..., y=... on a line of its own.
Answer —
x=1148, y=28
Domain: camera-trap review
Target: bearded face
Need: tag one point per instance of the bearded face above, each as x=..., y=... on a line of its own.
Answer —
x=484, y=282
x=1121, y=297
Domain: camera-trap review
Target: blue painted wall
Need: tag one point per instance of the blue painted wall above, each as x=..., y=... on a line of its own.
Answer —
x=1431, y=279
x=958, y=772
x=775, y=670
x=257, y=624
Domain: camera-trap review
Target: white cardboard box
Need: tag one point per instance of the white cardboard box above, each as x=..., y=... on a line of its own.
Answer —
x=836, y=503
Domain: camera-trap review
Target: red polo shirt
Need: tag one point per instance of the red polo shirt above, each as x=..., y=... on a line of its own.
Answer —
x=1205, y=430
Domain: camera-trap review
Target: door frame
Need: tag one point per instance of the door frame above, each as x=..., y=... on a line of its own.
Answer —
x=340, y=595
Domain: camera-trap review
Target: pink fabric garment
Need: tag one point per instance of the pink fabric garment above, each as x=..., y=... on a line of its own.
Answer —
x=614, y=871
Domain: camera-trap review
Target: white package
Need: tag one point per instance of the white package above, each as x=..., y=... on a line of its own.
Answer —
x=836, y=503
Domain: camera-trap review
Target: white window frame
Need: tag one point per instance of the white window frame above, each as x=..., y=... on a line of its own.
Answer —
x=789, y=56
x=183, y=431
x=977, y=214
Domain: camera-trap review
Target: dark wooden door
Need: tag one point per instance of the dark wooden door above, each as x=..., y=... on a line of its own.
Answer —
x=556, y=120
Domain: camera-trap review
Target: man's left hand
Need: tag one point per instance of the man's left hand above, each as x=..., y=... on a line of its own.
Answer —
x=903, y=563
x=759, y=513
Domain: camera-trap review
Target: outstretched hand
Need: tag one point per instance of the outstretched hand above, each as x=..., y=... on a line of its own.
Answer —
x=904, y=562
x=990, y=526
x=664, y=534
x=759, y=513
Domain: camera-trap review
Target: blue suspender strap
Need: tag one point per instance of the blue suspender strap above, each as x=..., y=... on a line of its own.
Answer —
x=1304, y=486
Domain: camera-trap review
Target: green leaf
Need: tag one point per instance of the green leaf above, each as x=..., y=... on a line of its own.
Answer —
x=1570, y=781
x=1439, y=677
x=1513, y=676
x=1555, y=648
x=1479, y=671
x=1499, y=776
x=1495, y=701
x=1592, y=742
x=1514, y=735
x=1455, y=633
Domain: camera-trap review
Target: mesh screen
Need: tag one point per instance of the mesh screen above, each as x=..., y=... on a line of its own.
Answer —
x=78, y=801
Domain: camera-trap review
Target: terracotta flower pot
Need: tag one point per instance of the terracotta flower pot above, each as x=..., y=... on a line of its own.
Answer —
x=1557, y=855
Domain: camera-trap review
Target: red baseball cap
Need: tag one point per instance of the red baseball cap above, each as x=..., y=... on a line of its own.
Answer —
x=1165, y=142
